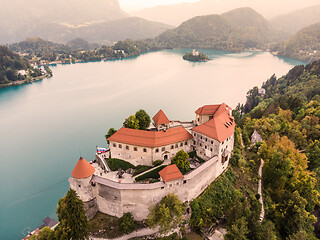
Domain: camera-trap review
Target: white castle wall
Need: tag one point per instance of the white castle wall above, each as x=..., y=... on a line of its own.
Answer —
x=147, y=155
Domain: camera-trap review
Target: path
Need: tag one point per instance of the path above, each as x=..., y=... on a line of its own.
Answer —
x=138, y=233
x=260, y=191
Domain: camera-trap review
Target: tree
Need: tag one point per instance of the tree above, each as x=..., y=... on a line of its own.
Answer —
x=131, y=122
x=144, y=119
x=167, y=213
x=72, y=216
x=180, y=159
x=126, y=223
x=238, y=231
x=46, y=234
x=110, y=133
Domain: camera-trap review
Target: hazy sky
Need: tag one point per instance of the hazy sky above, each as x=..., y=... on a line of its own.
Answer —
x=137, y=4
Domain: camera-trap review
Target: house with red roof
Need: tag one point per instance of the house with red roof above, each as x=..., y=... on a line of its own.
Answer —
x=143, y=147
x=210, y=134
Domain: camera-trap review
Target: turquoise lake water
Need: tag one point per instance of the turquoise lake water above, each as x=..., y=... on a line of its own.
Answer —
x=45, y=126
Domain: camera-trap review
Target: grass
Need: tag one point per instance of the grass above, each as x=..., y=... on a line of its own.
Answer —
x=193, y=236
x=154, y=174
x=140, y=169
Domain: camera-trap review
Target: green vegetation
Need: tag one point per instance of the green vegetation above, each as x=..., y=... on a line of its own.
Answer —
x=111, y=131
x=157, y=163
x=116, y=164
x=140, y=169
x=144, y=119
x=106, y=226
x=73, y=222
x=45, y=234
x=197, y=58
x=126, y=223
x=236, y=30
x=181, y=160
x=287, y=117
x=304, y=45
x=168, y=213
x=10, y=63
x=152, y=176
x=131, y=122
x=194, y=154
x=141, y=120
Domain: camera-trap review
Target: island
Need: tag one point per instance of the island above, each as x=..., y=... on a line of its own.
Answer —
x=195, y=56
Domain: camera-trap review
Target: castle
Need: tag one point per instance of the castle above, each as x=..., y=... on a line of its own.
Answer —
x=210, y=136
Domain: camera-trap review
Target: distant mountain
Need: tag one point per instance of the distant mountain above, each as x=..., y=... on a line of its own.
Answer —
x=175, y=14
x=38, y=45
x=294, y=21
x=101, y=21
x=236, y=30
x=304, y=45
x=81, y=44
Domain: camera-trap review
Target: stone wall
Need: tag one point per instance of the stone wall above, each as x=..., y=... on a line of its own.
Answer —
x=118, y=198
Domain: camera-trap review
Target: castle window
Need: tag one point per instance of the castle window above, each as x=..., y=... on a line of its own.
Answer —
x=120, y=146
x=115, y=145
x=145, y=150
x=135, y=149
x=185, y=143
x=115, y=198
x=157, y=150
x=127, y=147
x=177, y=183
x=201, y=137
x=162, y=187
x=79, y=185
x=194, y=134
x=206, y=139
x=211, y=142
x=176, y=145
x=163, y=149
x=205, y=147
x=170, y=185
x=181, y=144
x=227, y=146
x=184, y=181
x=172, y=147
x=211, y=149
x=200, y=144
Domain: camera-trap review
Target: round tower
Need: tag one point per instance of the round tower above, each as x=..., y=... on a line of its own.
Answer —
x=80, y=181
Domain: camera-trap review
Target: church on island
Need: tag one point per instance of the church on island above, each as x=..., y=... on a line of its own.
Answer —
x=208, y=139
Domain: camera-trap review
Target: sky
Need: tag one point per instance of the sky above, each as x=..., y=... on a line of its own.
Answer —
x=138, y=4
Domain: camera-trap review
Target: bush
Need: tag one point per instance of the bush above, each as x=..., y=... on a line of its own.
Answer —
x=157, y=163
x=115, y=164
x=126, y=223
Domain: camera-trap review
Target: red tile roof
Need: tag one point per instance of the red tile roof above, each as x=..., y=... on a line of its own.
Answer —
x=83, y=169
x=150, y=138
x=160, y=118
x=170, y=173
x=220, y=127
x=207, y=109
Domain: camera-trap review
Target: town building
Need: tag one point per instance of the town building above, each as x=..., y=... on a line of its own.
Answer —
x=210, y=136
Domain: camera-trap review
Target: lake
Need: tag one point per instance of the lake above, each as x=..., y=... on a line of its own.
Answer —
x=47, y=125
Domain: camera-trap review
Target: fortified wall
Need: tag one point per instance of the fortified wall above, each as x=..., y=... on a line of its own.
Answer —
x=114, y=198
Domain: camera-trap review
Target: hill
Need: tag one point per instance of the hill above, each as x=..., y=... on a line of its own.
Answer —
x=305, y=45
x=62, y=21
x=236, y=30
x=13, y=68
x=294, y=21
x=175, y=14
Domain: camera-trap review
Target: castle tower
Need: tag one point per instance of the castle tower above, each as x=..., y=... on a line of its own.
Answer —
x=81, y=183
x=161, y=121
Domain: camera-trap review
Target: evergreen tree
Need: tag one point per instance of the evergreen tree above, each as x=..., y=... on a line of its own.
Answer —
x=72, y=216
